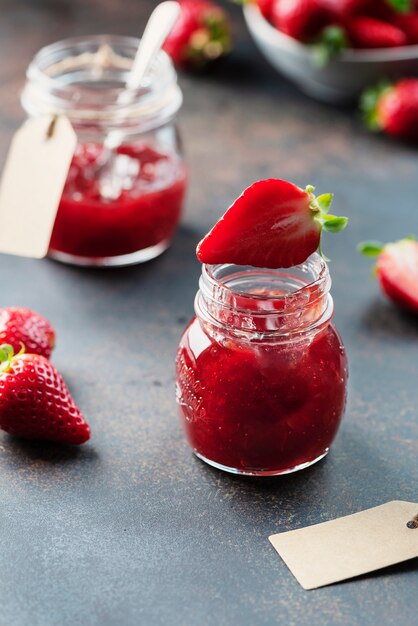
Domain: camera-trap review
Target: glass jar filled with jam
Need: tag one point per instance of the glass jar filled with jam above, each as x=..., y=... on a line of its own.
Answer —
x=120, y=205
x=261, y=370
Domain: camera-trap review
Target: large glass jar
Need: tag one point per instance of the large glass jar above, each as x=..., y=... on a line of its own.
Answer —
x=261, y=371
x=119, y=206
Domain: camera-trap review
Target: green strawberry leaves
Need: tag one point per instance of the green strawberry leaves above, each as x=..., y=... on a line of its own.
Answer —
x=334, y=224
x=371, y=249
x=329, y=45
x=369, y=104
x=7, y=355
x=402, y=6
x=320, y=207
x=324, y=201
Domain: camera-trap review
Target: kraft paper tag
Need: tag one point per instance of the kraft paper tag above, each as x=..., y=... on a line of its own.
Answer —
x=350, y=546
x=32, y=183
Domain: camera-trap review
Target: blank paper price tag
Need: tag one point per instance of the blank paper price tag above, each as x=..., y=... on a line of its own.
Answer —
x=32, y=183
x=350, y=546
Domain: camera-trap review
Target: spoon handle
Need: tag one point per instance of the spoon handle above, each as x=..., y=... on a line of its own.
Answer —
x=159, y=25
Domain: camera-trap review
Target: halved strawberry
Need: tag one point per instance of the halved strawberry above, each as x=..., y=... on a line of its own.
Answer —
x=272, y=224
x=396, y=270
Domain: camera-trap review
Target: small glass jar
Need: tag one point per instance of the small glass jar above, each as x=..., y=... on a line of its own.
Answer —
x=261, y=371
x=119, y=206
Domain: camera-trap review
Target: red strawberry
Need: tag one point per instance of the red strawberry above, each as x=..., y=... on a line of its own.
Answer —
x=19, y=325
x=369, y=32
x=272, y=224
x=339, y=10
x=200, y=35
x=393, y=109
x=266, y=8
x=301, y=19
x=408, y=22
x=396, y=270
x=35, y=402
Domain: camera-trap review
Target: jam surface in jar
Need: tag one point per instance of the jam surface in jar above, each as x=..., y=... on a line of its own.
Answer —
x=261, y=393
x=111, y=211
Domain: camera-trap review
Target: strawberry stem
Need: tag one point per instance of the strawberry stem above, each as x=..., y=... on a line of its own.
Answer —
x=330, y=223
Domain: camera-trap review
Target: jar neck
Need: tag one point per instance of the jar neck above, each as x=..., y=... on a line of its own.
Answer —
x=265, y=302
x=84, y=79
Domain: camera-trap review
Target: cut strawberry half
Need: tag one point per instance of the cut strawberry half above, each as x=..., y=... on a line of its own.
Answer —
x=272, y=224
x=396, y=270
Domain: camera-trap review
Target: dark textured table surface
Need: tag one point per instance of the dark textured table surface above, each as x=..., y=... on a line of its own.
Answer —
x=131, y=529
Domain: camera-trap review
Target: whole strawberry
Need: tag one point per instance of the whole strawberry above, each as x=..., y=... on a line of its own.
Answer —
x=393, y=109
x=35, y=402
x=200, y=35
x=301, y=19
x=396, y=270
x=408, y=22
x=369, y=32
x=340, y=10
x=266, y=8
x=19, y=325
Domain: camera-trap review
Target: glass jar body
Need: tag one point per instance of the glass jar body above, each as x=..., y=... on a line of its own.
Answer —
x=260, y=404
x=126, y=212
x=119, y=205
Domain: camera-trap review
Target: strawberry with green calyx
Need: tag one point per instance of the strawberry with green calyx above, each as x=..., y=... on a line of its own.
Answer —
x=396, y=270
x=35, y=402
x=200, y=35
x=393, y=108
x=272, y=224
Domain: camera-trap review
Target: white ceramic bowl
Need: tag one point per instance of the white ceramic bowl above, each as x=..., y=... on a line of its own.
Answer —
x=344, y=78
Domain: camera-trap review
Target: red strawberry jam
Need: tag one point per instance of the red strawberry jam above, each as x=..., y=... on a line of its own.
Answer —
x=131, y=207
x=261, y=371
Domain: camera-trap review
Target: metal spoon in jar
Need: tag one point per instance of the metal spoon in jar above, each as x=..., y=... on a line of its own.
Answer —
x=159, y=25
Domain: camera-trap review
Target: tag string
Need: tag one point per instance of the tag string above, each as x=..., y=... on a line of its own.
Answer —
x=51, y=127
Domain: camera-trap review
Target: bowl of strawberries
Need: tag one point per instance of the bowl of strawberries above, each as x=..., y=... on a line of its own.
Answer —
x=333, y=49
